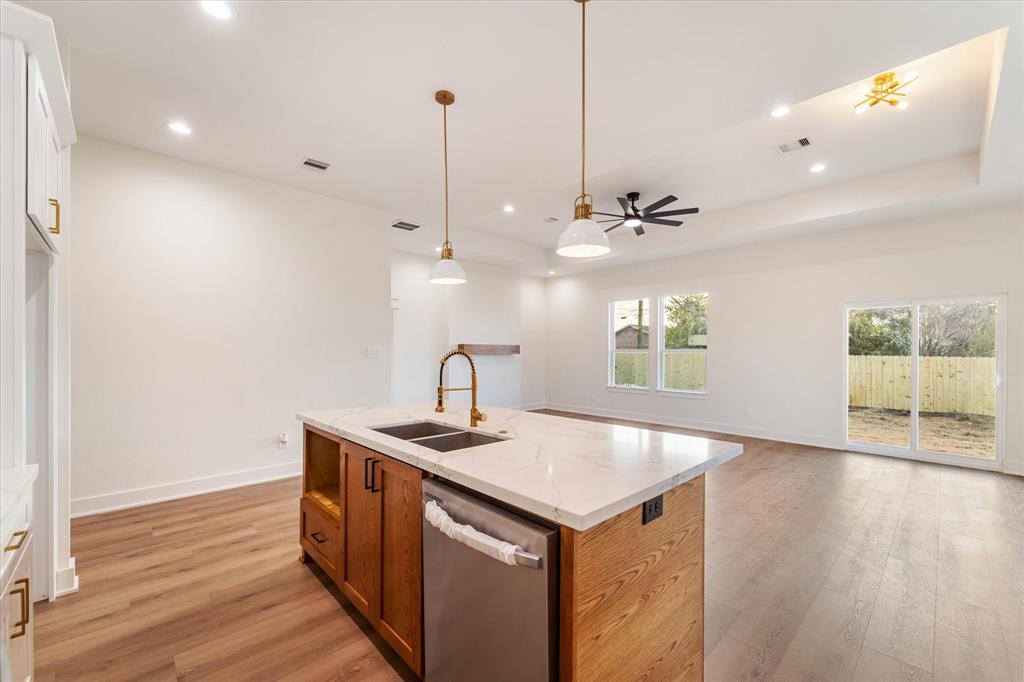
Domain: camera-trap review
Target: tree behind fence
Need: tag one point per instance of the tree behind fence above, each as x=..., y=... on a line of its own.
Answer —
x=959, y=385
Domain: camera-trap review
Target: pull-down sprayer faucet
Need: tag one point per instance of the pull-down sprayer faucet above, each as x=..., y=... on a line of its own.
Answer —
x=475, y=415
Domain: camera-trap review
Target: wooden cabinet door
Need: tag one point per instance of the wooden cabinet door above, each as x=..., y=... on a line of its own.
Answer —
x=360, y=562
x=401, y=592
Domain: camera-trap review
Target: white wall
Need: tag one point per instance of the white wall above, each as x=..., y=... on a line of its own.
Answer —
x=776, y=321
x=207, y=309
x=494, y=306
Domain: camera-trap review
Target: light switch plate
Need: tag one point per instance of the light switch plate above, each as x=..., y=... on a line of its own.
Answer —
x=374, y=352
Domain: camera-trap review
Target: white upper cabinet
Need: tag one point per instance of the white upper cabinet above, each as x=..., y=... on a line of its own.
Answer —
x=42, y=163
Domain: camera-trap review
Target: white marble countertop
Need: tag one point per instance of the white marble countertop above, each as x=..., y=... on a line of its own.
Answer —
x=574, y=472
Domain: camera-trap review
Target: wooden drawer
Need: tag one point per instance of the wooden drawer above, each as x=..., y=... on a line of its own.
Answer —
x=320, y=537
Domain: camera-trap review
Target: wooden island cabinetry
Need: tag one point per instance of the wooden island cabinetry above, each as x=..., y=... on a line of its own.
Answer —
x=360, y=521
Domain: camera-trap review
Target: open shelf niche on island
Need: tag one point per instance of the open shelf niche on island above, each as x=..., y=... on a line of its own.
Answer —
x=321, y=483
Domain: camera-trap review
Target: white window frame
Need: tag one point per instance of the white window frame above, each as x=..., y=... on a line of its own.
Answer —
x=913, y=452
x=611, y=385
x=660, y=360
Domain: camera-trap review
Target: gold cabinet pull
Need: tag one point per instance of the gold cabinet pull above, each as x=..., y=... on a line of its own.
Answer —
x=22, y=623
x=56, y=204
x=21, y=534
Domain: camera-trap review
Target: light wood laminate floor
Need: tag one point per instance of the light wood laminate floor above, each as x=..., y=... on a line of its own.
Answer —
x=821, y=565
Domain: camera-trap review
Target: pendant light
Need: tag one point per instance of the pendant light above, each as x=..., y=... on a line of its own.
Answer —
x=583, y=238
x=447, y=270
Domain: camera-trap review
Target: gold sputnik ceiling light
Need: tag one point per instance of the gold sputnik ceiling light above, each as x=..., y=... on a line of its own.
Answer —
x=887, y=88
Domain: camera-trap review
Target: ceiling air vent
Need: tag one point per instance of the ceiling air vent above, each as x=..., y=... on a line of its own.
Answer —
x=315, y=165
x=550, y=219
x=402, y=225
x=795, y=145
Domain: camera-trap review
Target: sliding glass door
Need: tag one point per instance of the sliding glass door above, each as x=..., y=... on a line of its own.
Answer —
x=923, y=379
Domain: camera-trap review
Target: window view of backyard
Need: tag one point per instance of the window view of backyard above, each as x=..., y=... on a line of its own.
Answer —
x=631, y=329
x=955, y=374
x=685, y=336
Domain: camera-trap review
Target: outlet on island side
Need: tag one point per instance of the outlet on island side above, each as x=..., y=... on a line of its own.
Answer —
x=282, y=440
x=653, y=508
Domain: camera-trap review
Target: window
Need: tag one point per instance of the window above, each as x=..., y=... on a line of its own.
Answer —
x=630, y=330
x=924, y=378
x=684, y=342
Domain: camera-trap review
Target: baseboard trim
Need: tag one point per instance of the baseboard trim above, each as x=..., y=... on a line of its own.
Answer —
x=728, y=429
x=66, y=581
x=526, y=407
x=126, y=499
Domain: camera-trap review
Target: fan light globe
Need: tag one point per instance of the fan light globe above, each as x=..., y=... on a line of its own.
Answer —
x=447, y=271
x=632, y=222
x=583, y=238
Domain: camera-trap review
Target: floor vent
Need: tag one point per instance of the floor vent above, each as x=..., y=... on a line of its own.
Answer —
x=315, y=165
x=402, y=225
x=795, y=145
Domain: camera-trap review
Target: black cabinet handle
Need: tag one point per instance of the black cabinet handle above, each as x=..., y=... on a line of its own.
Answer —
x=373, y=476
x=320, y=539
x=367, y=485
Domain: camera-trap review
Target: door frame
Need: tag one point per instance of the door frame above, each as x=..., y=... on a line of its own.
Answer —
x=913, y=452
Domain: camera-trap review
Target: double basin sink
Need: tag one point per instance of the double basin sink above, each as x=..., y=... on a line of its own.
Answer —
x=440, y=437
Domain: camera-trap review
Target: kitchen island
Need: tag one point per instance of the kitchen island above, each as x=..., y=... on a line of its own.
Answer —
x=628, y=503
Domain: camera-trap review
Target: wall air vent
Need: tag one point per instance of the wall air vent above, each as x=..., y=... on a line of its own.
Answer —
x=402, y=225
x=795, y=145
x=550, y=219
x=315, y=165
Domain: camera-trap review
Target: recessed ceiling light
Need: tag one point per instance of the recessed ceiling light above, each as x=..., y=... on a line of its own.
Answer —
x=551, y=272
x=818, y=168
x=780, y=111
x=218, y=9
x=179, y=127
x=509, y=208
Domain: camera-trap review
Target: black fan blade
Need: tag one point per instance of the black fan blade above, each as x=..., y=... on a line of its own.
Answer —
x=626, y=208
x=610, y=220
x=658, y=204
x=614, y=226
x=659, y=221
x=666, y=214
x=613, y=215
x=639, y=229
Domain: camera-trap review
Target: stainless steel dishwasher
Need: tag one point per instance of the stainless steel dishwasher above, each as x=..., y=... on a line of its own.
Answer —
x=485, y=619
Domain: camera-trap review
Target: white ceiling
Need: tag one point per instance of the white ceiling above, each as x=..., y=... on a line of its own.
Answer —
x=679, y=94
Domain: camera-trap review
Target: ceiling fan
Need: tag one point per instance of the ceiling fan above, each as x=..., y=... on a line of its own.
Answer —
x=636, y=217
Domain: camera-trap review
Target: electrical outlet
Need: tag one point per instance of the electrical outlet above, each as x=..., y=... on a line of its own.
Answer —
x=653, y=508
x=282, y=441
x=374, y=352
x=746, y=413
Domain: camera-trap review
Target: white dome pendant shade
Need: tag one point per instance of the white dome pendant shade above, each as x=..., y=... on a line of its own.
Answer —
x=447, y=270
x=583, y=238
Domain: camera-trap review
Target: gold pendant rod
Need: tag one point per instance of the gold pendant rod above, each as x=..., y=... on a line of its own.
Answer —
x=583, y=108
x=444, y=108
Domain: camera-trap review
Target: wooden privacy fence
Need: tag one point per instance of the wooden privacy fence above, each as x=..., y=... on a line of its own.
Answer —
x=947, y=384
x=684, y=370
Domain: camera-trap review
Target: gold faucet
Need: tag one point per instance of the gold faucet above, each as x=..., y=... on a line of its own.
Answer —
x=475, y=415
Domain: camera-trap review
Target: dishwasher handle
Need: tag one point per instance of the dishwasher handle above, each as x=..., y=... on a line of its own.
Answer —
x=499, y=550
